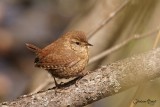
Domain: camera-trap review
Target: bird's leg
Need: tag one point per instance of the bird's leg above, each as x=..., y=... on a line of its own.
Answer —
x=56, y=84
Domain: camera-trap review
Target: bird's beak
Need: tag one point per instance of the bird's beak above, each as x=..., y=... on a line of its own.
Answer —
x=89, y=44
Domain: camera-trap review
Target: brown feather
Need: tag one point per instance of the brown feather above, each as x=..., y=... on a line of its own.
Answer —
x=33, y=48
x=63, y=58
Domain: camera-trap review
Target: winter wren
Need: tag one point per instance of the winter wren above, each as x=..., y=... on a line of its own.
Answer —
x=66, y=57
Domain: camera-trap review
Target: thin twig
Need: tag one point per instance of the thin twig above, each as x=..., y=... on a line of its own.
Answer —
x=118, y=46
x=110, y=17
x=138, y=92
x=42, y=86
x=157, y=40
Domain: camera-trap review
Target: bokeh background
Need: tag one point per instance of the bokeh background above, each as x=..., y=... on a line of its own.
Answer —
x=42, y=21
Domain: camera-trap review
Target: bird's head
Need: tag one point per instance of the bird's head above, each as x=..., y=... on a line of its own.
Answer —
x=77, y=40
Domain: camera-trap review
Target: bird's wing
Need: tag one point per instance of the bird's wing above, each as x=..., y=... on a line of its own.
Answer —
x=57, y=61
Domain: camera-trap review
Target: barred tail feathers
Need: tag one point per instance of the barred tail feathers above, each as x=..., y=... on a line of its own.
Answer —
x=33, y=48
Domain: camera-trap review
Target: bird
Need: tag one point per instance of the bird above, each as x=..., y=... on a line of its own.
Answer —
x=66, y=57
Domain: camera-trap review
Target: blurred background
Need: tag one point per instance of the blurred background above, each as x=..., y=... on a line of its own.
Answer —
x=42, y=21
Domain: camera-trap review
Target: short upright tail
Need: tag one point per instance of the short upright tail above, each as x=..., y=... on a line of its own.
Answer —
x=33, y=48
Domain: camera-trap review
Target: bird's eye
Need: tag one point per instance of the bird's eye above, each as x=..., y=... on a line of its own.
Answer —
x=77, y=43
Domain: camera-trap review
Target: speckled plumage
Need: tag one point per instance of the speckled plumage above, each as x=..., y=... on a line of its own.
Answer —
x=66, y=57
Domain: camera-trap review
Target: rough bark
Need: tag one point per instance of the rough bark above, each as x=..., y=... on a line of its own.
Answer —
x=103, y=82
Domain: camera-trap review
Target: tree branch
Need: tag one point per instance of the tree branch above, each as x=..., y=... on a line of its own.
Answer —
x=120, y=45
x=105, y=81
x=109, y=18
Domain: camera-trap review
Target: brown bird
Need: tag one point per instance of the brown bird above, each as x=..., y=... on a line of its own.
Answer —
x=66, y=57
